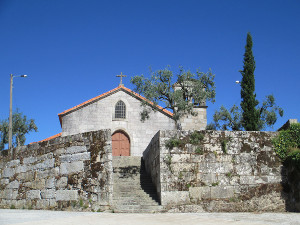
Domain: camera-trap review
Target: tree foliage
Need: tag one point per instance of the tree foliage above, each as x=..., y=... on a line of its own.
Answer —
x=250, y=116
x=268, y=113
x=193, y=88
x=20, y=127
x=287, y=145
x=224, y=119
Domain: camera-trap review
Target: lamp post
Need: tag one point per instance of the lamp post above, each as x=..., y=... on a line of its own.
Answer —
x=10, y=111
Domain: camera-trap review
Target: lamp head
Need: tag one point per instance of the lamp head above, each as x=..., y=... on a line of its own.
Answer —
x=24, y=75
x=237, y=82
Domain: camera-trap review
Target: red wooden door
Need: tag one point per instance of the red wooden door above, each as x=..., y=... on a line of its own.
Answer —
x=120, y=144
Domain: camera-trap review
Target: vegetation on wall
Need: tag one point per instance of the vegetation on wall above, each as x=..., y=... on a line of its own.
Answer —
x=194, y=138
x=287, y=145
x=224, y=142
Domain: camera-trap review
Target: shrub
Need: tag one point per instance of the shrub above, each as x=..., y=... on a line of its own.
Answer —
x=294, y=158
x=81, y=203
x=173, y=142
x=199, y=150
x=287, y=145
x=215, y=184
x=196, y=138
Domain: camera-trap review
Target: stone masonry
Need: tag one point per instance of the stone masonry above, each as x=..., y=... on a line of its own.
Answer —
x=192, y=171
x=226, y=171
x=72, y=171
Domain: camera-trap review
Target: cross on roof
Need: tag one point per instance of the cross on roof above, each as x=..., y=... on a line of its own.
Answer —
x=121, y=76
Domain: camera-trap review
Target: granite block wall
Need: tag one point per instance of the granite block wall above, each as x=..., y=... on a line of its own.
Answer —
x=72, y=172
x=224, y=171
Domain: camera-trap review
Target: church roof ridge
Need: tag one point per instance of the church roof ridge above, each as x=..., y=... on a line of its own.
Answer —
x=120, y=87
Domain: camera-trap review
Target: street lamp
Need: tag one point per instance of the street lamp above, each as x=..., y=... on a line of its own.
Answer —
x=10, y=110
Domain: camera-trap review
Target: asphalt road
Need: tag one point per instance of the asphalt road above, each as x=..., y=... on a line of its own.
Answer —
x=35, y=217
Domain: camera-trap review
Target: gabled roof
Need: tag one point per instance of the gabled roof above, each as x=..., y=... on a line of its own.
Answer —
x=119, y=88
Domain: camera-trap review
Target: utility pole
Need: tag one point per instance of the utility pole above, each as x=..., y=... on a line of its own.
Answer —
x=10, y=110
x=10, y=113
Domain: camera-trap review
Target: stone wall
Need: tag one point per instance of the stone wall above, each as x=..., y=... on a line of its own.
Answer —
x=198, y=121
x=73, y=171
x=226, y=171
x=152, y=162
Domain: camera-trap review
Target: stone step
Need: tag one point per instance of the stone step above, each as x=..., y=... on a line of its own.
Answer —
x=133, y=194
x=138, y=206
x=129, y=183
x=127, y=201
x=138, y=209
x=133, y=190
x=129, y=197
x=128, y=179
x=132, y=183
x=137, y=198
x=124, y=161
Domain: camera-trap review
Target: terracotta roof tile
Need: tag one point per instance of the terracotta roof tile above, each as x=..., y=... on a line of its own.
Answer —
x=49, y=138
x=108, y=93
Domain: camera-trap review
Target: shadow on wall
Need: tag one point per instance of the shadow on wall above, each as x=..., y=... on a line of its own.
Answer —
x=291, y=187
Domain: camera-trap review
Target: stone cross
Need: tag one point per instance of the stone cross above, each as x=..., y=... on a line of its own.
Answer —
x=121, y=75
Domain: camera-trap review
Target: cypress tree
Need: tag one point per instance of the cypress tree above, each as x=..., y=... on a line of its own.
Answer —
x=250, y=115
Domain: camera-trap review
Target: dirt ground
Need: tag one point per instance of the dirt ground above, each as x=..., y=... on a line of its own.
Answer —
x=35, y=217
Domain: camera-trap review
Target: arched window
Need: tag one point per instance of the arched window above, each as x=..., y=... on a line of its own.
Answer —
x=120, y=110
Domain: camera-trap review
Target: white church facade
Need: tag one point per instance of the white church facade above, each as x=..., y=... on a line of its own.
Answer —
x=119, y=110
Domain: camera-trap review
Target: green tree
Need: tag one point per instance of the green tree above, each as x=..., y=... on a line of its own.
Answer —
x=250, y=115
x=224, y=119
x=268, y=113
x=180, y=96
x=20, y=127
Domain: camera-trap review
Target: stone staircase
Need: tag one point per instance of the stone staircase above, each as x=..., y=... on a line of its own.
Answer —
x=133, y=191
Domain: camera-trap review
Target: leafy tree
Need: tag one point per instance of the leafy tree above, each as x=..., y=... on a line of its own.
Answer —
x=20, y=127
x=268, y=113
x=226, y=120
x=250, y=115
x=232, y=119
x=179, y=96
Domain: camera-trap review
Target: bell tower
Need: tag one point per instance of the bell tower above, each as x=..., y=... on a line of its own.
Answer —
x=197, y=121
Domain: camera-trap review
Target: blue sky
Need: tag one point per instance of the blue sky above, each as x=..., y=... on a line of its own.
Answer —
x=72, y=50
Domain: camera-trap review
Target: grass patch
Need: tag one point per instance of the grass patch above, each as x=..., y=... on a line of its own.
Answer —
x=215, y=184
x=199, y=150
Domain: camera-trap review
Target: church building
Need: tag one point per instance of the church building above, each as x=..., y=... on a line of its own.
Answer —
x=119, y=110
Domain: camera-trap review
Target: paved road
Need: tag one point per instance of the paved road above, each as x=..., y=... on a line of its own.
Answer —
x=35, y=217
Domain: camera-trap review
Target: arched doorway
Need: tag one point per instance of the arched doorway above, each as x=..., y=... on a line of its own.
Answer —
x=120, y=144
